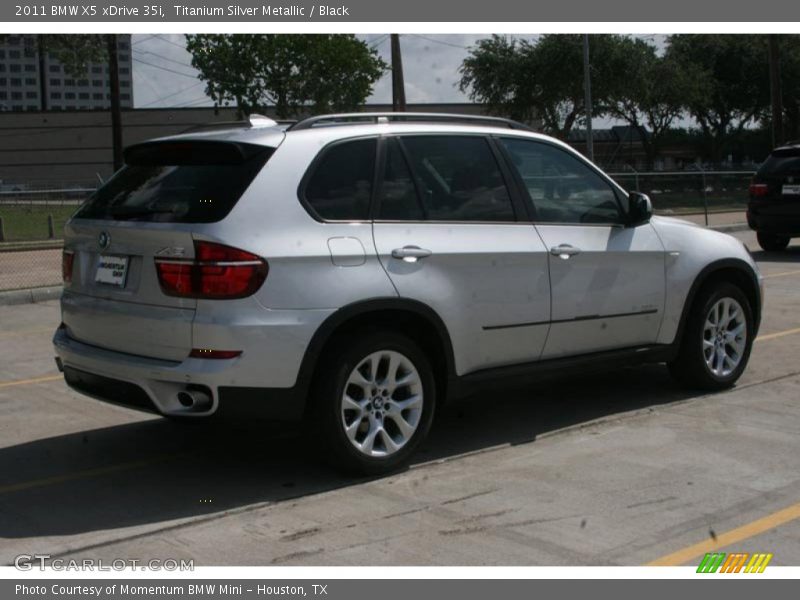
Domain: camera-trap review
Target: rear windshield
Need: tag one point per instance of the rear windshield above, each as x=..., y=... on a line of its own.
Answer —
x=177, y=182
x=782, y=162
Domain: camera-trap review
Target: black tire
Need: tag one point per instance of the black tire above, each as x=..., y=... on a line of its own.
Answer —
x=690, y=367
x=771, y=242
x=329, y=385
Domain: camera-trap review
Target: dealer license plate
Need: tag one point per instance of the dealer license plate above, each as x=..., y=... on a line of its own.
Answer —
x=112, y=270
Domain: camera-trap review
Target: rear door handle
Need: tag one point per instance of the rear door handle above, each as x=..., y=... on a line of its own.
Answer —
x=410, y=253
x=564, y=251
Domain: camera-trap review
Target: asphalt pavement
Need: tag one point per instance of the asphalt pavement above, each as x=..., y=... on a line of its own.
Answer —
x=623, y=468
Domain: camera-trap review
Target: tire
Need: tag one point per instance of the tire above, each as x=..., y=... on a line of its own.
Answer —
x=771, y=242
x=707, y=335
x=396, y=416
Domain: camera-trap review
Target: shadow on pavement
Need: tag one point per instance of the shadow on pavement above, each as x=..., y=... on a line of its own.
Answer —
x=154, y=471
x=791, y=254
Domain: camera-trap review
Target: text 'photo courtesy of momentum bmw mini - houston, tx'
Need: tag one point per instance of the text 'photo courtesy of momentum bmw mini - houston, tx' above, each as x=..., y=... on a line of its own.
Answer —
x=356, y=271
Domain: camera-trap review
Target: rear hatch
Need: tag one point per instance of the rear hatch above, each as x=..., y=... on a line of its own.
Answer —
x=148, y=210
x=780, y=173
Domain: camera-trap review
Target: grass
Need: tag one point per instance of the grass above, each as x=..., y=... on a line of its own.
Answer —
x=29, y=223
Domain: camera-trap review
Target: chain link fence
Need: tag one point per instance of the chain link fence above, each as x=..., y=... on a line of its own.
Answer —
x=686, y=192
x=32, y=216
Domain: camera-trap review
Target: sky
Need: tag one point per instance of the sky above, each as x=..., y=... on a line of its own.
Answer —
x=163, y=75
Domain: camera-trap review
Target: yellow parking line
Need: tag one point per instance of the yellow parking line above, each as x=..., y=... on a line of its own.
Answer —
x=777, y=334
x=781, y=274
x=4, y=384
x=728, y=538
x=27, y=485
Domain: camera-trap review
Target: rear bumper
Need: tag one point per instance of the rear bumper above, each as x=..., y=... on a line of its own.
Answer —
x=258, y=384
x=778, y=219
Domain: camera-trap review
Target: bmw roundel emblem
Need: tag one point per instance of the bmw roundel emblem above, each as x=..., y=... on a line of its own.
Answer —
x=104, y=240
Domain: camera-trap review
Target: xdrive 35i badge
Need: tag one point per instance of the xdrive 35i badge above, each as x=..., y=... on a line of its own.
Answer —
x=103, y=240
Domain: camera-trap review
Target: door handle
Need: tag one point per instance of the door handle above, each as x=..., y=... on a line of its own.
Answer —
x=410, y=253
x=564, y=251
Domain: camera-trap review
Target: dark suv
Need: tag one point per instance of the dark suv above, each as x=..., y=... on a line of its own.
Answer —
x=774, y=207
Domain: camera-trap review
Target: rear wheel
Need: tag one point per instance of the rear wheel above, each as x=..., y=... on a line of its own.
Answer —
x=375, y=401
x=717, y=340
x=771, y=242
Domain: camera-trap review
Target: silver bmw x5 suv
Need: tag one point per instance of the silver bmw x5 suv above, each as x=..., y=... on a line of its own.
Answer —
x=359, y=270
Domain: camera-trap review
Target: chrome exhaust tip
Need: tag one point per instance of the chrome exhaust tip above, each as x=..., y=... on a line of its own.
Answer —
x=194, y=399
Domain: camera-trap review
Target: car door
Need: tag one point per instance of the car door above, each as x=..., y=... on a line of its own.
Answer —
x=607, y=280
x=447, y=233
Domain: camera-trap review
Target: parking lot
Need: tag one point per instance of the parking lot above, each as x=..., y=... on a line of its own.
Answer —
x=623, y=468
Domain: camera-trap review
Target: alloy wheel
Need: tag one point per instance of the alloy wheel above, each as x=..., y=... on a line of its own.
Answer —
x=724, y=337
x=382, y=402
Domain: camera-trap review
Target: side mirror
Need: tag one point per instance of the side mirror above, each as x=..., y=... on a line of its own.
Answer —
x=640, y=209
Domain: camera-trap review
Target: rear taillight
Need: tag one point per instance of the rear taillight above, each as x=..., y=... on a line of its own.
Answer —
x=217, y=272
x=758, y=190
x=67, y=259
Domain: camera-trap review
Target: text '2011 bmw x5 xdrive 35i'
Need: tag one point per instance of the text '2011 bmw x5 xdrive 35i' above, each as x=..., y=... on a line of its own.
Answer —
x=356, y=270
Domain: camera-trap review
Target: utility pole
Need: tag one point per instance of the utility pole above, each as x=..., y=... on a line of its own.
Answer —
x=41, y=53
x=775, y=91
x=398, y=87
x=587, y=98
x=116, y=111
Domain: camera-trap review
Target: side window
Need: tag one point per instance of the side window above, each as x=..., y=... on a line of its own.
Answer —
x=562, y=188
x=398, y=199
x=459, y=178
x=340, y=186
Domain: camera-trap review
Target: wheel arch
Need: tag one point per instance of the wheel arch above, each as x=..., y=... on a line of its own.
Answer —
x=409, y=317
x=733, y=270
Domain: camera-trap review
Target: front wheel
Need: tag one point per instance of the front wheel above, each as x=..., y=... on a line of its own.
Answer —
x=771, y=242
x=717, y=340
x=375, y=401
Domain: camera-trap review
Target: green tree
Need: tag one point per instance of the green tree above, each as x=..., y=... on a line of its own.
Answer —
x=732, y=90
x=542, y=80
x=789, y=46
x=653, y=94
x=320, y=73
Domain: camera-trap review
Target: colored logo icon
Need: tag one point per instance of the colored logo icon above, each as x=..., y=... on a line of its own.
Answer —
x=736, y=562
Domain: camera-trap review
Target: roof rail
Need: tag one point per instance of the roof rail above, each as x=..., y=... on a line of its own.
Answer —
x=415, y=117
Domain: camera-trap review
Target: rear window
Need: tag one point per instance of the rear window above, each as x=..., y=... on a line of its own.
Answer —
x=782, y=162
x=177, y=182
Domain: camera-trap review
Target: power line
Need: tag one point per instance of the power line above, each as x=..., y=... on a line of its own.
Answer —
x=193, y=102
x=186, y=89
x=167, y=69
x=377, y=42
x=168, y=41
x=162, y=57
x=442, y=42
x=144, y=39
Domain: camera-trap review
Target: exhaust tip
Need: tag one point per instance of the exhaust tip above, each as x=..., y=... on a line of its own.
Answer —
x=186, y=399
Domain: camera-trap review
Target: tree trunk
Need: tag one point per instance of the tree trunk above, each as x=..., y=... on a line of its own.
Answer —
x=792, y=124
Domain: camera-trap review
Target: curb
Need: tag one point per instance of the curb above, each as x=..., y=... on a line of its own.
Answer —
x=25, y=246
x=30, y=295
